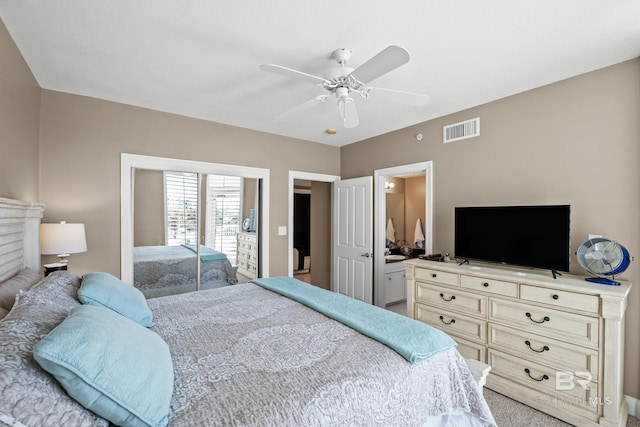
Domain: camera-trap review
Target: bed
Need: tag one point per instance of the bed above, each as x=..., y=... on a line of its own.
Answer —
x=168, y=270
x=253, y=354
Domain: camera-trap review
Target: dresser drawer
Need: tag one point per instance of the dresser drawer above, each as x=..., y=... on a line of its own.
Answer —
x=572, y=300
x=247, y=266
x=453, y=324
x=548, y=322
x=540, y=378
x=250, y=238
x=452, y=299
x=558, y=354
x=247, y=246
x=471, y=350
x=492, y=286
x=436, y=276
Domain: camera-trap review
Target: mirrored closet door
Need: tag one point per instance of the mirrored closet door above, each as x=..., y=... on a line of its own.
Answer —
x=191, y=228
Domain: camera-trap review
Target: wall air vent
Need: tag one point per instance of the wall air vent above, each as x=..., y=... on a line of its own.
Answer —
x=461, y=130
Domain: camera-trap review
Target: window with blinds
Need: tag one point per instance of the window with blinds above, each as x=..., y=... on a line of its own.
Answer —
x=181, y=196
x=224, y=195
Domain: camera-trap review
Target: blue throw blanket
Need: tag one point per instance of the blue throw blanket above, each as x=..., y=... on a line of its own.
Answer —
x=413, y=340
x=206, y=254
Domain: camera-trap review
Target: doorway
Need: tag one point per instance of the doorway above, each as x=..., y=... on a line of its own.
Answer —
x=302, y=230
x=309, y=244
x=423, y=169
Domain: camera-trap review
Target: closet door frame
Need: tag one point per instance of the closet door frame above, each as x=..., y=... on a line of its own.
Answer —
x=130, y=162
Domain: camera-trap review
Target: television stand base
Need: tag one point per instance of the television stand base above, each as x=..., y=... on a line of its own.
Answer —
x=555, y=273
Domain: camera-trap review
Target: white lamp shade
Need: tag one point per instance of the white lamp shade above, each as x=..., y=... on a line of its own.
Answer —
x=62, y=238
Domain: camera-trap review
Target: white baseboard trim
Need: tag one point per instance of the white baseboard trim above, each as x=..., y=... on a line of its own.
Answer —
x=634, y=406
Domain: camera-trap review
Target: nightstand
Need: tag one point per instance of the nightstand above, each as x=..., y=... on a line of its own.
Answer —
x=50, y=268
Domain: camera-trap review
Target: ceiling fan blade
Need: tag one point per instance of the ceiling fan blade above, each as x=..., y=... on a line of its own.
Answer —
x=298, y=109
x=288, y=72
x=409, y=98
x=387, y=60
x=349, y=113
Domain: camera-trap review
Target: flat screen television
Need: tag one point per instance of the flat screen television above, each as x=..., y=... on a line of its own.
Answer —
x=527, y=236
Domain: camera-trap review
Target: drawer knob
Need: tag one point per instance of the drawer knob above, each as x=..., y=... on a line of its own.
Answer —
x=544, y=319
x=434, y=275
x=528, y=343
x=485, y=284
x=450, y=299
x=542, y=378
x=447, y=323
x=555, y=296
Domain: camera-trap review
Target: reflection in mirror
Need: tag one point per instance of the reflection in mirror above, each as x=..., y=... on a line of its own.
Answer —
x=247, y=236
x=405, y=201
x=149, y=209
x=180, y=217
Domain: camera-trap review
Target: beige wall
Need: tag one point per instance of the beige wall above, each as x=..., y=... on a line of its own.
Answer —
x=148, y=205
x=574, y=142
x=414, y=203
x=19, y=123
x=82, y=139
x=321, y=234
x=396, y=213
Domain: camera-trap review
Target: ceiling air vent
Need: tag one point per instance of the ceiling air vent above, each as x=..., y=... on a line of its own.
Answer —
x=462, y=130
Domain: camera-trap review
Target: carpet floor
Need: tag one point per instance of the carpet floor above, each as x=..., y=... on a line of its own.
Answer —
x=508, y=412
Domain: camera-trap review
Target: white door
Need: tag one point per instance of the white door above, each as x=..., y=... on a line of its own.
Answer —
x=353, y=238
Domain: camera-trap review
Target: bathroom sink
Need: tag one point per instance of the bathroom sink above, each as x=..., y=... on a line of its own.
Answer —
x=394, y=257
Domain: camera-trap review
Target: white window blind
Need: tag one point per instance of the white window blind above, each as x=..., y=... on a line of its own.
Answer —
x=224, y=195
x=181, y=198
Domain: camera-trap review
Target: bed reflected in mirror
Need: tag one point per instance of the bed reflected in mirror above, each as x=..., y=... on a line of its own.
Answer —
x=191, y=231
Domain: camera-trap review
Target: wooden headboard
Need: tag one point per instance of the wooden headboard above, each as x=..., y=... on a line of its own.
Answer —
x=19, y=236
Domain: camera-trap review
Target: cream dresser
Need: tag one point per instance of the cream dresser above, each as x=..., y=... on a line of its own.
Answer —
x=554, y=344
x=248, y=254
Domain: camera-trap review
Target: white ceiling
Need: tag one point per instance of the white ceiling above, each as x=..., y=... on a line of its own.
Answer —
x=201, y=58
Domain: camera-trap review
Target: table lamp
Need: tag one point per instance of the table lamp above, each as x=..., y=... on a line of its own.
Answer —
x=61, y=239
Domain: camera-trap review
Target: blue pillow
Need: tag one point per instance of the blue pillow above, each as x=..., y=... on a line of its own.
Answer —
x=110, y=365
x=105, y=290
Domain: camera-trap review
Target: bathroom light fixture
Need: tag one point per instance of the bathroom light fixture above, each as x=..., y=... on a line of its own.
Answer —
x=388, y=185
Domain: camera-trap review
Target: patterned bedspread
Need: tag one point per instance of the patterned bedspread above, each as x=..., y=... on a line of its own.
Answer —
x=168, y=270
x=244, y=355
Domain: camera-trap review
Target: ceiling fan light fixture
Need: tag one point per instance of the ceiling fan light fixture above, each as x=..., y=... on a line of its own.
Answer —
x=342, y=93
x=342, y=105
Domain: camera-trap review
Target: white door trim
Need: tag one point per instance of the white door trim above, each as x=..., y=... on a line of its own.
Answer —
x=379, y=209
x=293, y=175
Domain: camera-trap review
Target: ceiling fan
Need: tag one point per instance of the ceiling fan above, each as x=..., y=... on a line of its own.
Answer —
x=343, y=82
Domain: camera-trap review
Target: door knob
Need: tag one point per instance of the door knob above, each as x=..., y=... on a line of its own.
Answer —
x=367, y=255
